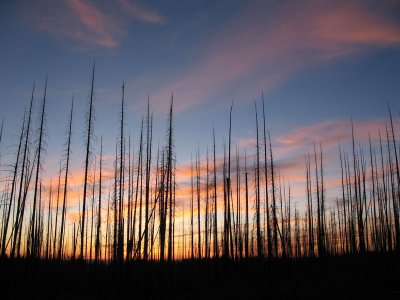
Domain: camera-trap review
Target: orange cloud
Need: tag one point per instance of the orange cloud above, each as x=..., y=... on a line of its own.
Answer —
x=290, y=150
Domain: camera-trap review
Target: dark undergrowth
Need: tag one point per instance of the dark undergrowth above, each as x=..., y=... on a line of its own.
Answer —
x=370, y=276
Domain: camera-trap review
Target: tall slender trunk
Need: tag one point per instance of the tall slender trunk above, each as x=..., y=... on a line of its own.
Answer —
x=170, y=186
x=274, y=218
x=206, y=211
x=89, y=124
x=269, y=242
x=310, y=212
x=98, y=232
x=198, y=205
x=397, y=169
x=393, y=194
x=147, y=200
x=34, y=239
x=64, y=206
x=139, y=190
x=344, y=202
x=246, y=237
x=258, y=219
x=48, y=231
x=13, y=187
x=320, y=239
x=229, y=243
x=121, y=181
x=322, y=186
x=216, y=252
x=92, y=213
x=129, y=217
x=191, y=210
x=238, y=236
x=57, y=208
x=115, y=207
x=21, y=201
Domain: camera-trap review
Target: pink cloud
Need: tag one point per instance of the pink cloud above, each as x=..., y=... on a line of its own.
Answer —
x=329, y=133
x=290, y=149
x=77, y=21
x=97, y=23
x=87, y=24
x=354, y=24
x=142, y=13
x=265, y=45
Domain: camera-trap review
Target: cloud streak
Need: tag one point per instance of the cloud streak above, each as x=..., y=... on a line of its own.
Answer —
x=266, y=44
x=89, y=24
x=329, y=133
x=96, y=24
x=142, y=13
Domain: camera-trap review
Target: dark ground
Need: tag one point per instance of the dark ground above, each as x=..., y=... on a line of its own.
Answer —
x=372, y=276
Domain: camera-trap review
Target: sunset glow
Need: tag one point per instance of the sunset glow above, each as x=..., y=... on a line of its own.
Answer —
x=320, y=67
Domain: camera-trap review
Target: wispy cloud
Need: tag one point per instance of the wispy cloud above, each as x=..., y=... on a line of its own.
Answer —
x=328, y=133
x=96, y=24
x=142, y=13
x=291, y=148
x=89, y=24
x=267, y=43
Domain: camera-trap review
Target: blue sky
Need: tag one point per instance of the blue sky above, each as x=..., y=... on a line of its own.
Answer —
x=319, y=63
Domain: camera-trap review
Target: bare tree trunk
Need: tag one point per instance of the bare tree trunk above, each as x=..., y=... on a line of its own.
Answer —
x=198, y=205
x=239, y=247
x=170, y=186
x=64, y=207
x=139, y=188
x=275, y=220
x=121, y=181
x=98, y=232
x=21, y=204
x=191, y=210
x=397, y=202
x=258, y=220
x=48, y=232
x=228, y=187
x=129, y=222
x=13, y=187
x=34, y=239
x=115, y=207
x=92, y=214
x=89, y=124
x=207, y=211
x=269, y=242
x=57, y=207
x=216, y=252
x=148, y=163
x=344, y=203
x=310, y=209
x=246, y=237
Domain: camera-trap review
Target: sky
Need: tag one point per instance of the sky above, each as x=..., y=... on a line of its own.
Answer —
x=317, y=63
